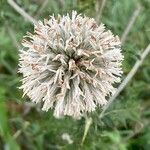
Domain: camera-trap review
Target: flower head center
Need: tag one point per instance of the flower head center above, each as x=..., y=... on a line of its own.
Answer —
x=72, y=65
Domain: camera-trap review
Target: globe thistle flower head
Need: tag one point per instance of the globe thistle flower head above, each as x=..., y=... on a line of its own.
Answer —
x=70, y=64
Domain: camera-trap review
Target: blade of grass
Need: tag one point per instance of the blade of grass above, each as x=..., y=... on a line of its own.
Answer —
x=88, y=122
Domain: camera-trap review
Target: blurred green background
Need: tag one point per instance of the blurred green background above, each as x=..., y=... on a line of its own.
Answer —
x=125, y=125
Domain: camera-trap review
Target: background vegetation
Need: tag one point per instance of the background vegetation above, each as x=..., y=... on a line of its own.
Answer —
x=125, y=125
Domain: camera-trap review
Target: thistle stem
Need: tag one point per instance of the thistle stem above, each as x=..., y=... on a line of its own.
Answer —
x=21, y=12
x=130, y=24
x=126, y=80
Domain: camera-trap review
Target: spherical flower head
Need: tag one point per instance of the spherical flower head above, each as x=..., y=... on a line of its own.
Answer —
x=70, y=64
